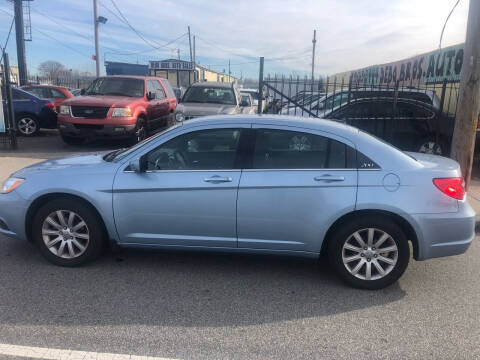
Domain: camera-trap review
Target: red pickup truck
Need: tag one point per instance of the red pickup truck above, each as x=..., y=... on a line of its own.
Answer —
x=117, y=106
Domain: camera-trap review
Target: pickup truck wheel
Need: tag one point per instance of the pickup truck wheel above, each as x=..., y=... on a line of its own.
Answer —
x=140, y=131
x=27, y=125
x=68, y=232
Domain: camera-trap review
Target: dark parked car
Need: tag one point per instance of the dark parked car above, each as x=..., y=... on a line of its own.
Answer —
x=32, y=113
x=409, y=125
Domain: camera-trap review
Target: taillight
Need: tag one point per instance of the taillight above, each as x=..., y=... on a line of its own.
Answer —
x=50, y=105
x=453, y=187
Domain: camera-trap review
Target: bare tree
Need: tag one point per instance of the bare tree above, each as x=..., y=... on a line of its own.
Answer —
x=51, y=69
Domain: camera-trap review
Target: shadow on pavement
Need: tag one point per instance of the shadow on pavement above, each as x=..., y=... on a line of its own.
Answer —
x=174, y=289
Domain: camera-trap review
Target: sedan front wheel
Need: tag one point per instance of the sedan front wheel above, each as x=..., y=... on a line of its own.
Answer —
x=67, y=232
x=370, y=253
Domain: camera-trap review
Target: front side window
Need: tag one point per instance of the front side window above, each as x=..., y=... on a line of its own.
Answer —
x=117, y=86
x=212, y=95
x=214, y=149
x=282, y=149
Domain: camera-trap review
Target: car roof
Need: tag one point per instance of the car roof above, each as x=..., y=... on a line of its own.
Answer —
x=294, y=121
x=214, y=84
x=140, y=77
x=45, y=86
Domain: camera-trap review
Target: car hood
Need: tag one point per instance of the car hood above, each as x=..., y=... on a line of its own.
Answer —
x=71, y=162
x=198, y=109
x=101, y=100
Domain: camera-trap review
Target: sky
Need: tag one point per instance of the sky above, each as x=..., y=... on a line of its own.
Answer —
x=351, y=34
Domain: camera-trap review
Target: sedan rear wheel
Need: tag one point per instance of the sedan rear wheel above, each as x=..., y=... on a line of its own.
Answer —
x=369, y=253
x=68, y=232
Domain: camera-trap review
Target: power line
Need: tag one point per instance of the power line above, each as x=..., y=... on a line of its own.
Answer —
x=154, y=44
x=445, y=24
x=8, y=37
x=62, y=43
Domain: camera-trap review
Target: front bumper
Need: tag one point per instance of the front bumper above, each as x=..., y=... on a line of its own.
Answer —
x=445, y=234
x=96, y=130
x=13, y=209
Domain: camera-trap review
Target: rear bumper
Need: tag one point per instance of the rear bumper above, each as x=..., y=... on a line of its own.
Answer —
x=445, y=234
x=100, y=130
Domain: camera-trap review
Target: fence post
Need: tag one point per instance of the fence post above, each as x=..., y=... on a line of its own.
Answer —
x=260, y=86
x=440, y=112
x=12, y=131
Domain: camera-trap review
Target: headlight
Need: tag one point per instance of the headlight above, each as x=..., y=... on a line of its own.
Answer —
x=121, y=112
x=64, y=110
x=179, y=117
x=11, y=184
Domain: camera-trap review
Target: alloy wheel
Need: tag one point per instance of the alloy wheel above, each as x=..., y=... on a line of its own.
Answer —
x=369, y=254
x=65, y=234
x=27, y=126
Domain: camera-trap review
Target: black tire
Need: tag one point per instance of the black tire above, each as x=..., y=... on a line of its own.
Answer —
x=429, y=145
x=70, y=140
x=340, y=237
x=94, y=226
x=140, y=131
x=27, y=125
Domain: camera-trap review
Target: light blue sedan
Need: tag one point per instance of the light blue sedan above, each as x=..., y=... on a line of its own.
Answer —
x=249, y=184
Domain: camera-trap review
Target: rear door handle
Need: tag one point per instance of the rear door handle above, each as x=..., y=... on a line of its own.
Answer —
x=328, y=178
x=218, y=179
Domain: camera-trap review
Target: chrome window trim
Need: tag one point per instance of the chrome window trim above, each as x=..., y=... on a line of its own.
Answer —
x=249, y=170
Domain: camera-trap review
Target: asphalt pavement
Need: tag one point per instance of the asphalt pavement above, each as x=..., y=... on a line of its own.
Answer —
x=204, y=306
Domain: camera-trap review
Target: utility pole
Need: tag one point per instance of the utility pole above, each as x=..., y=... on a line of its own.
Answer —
x=468, y=107
x=190, y=43
x=22, y=62
x=194, y=61
x=313, y=52
x=178, y=53
x=229, y=72
x=97, y=46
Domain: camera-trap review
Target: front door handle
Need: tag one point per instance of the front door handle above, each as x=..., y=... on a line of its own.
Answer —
x=218, y=179
x=328, y=178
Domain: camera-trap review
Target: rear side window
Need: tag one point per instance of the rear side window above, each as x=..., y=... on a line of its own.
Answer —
x=283, y=149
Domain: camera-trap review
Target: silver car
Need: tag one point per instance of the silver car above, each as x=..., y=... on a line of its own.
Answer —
x=209, y=98
x=248, y=184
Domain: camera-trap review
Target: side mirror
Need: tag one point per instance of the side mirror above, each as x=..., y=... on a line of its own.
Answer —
x=137, y=165
x=82, y=92
x=150, y=96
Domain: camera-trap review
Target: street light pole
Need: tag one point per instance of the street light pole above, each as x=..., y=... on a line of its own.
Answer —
x=314, y=41
x=97, y=46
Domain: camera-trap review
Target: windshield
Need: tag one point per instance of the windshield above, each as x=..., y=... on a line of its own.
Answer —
x=210, y=95
x=117, y=86
x=122, y=153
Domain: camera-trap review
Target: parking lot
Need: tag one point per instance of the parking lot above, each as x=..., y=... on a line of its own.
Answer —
x=204, y=306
